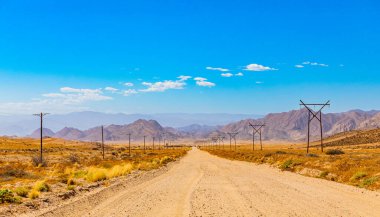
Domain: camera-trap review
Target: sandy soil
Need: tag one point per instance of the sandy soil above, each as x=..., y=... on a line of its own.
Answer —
x=205, y=185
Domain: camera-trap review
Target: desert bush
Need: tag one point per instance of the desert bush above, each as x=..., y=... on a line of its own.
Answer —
x=323, y=174
x=95, y=174
x=33, y=194
x=41, y=186
x=119, y=170
x=311, y=155
x=358, y=176
x=7, y=196
x=22, y=191
x=166, y=159
x=70, y=187
x=280, y=152
x=73, y=158
x=289, y=164
x=147, y=165
x=267, y=154
x=36, y=160
x=369, y=181
x=70, y=181
x=286, y=165
x=14, y=172
x=334, y=152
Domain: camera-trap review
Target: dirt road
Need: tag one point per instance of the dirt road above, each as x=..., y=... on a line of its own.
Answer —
x=205, y=185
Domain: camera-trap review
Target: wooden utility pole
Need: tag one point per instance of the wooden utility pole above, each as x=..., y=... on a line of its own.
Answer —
x=144, y=144
x=41, y=115
x=317, y=115
x=103, y=140
x=256, y=129
x=153, y=142
x=232, y=136
x=129, y=143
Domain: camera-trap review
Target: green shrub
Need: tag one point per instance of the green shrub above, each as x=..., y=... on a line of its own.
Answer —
x=41, y=186
x=286, y=165
x=358, y=176
x=334, y=152
x=22, y=191
x=166, y=159
x=323, y=174
x=33, y=194
x=70, y=187
x=7, y=196
x=369, y=181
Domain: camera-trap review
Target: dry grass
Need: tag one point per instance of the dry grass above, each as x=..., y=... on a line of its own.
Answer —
x=70, y=162
x=358, y=166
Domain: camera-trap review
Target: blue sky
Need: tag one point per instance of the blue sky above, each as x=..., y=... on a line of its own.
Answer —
x=188, y=56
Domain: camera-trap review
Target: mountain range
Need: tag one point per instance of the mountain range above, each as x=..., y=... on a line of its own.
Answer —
x=22, y=125
x=285, y=126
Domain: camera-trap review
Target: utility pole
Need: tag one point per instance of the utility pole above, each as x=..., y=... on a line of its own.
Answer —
x=144, y=144
x=41, y=115
x=153, y=142
x=129, y=143
x=221, y=140
x=103, y=140
x=232, y=136
x=215, y=142
x=164, y=140
x=159, y=142
x=256, y=129
x=317, y=115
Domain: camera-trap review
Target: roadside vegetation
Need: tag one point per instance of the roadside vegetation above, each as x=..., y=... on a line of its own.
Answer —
x=357, y=165
x=68, y=165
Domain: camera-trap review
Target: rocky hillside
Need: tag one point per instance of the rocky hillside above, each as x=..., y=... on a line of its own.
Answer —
x=292, y=125
x=137, y=130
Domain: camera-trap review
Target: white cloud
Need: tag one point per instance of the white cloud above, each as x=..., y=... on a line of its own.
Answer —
x=259, y=82
x=68, y=99
x=227, y=74
x=257, y=67
x=71, y=95
x=217, y=69
x=299, y=66
x=111, y=89
x=184, y=77
x=315, y=64
x=161, y=86
x=129, y=92
x=239, y=74
x=203, y=82
x=128, y=84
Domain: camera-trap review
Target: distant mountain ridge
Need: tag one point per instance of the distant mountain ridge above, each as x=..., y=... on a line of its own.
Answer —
x=289, y=126
x=22, y=125
x=292, y=125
